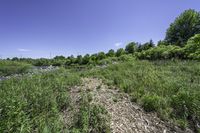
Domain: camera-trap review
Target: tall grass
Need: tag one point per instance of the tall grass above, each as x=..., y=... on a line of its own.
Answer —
x=12, y=67
x=171, y=88
x=91, y=118
x=33, y=103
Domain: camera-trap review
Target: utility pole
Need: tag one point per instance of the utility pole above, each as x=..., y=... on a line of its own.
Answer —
x=50, y=55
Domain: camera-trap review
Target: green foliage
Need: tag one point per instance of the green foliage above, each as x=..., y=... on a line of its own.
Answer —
x=185, y=26
x=152, y=102
x=41, y=62
x=161, y=52
x=182, y=123
x=61, y=57
x=12, y=67
x=192, y=49
x=86, y=59
x=162, y=42
x=120, y=52
x=79, y=59
x=131, y=47
x=92, y=118
x=185, y=105
x=111, y=53
x=101, y=55
x=171, y=88
x=145, y=46
x=32, y=103
x=125, y=58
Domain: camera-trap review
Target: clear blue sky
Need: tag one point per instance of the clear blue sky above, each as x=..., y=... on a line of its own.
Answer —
x=36, y=28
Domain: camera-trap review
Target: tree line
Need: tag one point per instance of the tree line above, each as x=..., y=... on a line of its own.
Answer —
x=182, y=41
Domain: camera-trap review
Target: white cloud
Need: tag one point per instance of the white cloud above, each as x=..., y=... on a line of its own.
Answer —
x=118, y=44
x=23, y=50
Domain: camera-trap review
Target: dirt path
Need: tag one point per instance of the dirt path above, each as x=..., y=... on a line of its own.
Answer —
x=126, y=117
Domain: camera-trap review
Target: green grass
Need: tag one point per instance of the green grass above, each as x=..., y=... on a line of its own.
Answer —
x=171, y=88
x=91, y=118
x=12, y=67
x=33, y=103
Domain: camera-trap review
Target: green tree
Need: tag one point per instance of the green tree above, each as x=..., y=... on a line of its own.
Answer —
x=15, y=59
x=72, y=59
x=120, y=52
x=93, y=57
x=162, y=42
x=111, y=53
x=79, y=59
x=146, y=46
x=86, y=59
x=192, y=49
x=185, y=26
x=101, y=55
x=131, y=47
x=59, y=57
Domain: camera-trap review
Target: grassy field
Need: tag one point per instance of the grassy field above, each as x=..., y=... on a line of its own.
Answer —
x=11, y=67
x=171, y=88
x=34, y=103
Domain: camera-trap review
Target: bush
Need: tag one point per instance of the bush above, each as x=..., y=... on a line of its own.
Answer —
x=192, y=49
x=161, y=52
x=185, y=105
x=152, y=103
x=12, y=67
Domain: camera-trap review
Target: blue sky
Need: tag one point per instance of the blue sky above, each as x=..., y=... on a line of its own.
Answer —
x=36, y=28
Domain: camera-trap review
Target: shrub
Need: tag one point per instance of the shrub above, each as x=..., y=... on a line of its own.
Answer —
x=12, y=67
x=184, y=105
x=161, y=52
x=192, y=49
x=131, y=47
x=152, y=102
x=120, y=52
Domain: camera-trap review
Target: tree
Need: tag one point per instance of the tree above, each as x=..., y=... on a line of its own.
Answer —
x=146, y=46
x=111, y=53
x=59, y=57
x=120, y=52
x=185, y=26
x=151, y=43
x=79, y=59
x=162, y=42
x=101, y=55
x=72, y=59
x=192, y=49
x=86, y=59
x=93, y=57
x=15, y=59
x=131, y=47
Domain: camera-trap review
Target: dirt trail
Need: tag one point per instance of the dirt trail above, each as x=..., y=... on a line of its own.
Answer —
x=126, y=117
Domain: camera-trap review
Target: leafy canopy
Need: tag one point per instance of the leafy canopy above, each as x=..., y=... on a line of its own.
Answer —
x=185, y=26
x=131, y=47
x=192, y=49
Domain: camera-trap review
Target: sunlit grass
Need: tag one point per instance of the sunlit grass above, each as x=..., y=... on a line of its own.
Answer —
x=11, y=67
x=171, y=88
x=33, y=103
